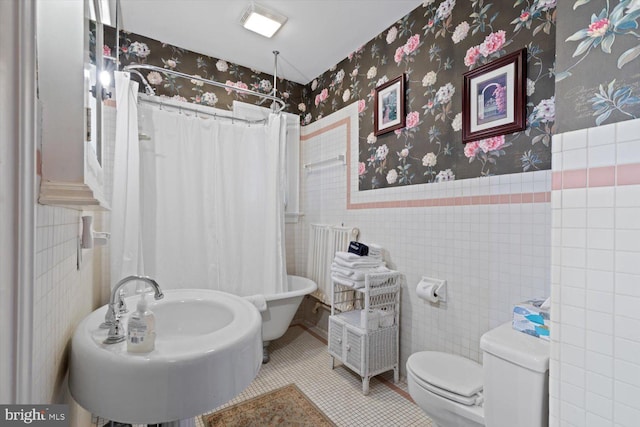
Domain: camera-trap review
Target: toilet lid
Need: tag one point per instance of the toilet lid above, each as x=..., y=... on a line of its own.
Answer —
x=450, y=372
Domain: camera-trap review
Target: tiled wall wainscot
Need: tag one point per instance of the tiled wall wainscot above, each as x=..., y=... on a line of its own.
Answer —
x=63, y=296
x=488, y=237
x=595, y=330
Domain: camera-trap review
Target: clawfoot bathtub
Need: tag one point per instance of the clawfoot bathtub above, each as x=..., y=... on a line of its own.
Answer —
x=281, y=308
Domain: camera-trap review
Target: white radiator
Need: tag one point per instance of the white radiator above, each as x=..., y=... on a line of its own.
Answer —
x=324, y=242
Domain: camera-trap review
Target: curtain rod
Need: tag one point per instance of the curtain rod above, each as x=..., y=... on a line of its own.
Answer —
x=172, y=104
x=134, y=67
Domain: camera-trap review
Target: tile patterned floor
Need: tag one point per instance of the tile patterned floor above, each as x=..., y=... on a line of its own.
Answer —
x=301, y=357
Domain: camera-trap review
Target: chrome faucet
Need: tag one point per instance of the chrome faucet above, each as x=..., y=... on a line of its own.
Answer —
x=112, y=318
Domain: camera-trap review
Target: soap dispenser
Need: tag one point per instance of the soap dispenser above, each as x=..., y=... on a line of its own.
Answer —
x=141, y=330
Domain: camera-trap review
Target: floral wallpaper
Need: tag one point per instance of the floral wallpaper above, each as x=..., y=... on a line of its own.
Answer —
x=434, y=45
x=602, y=35
x=143, y=50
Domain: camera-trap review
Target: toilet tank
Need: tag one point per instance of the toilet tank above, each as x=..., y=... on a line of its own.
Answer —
x=516, y=378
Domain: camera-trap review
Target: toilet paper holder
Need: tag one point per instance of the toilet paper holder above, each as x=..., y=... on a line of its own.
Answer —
x=432, y=290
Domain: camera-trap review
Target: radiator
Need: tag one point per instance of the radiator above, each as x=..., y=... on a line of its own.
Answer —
x=324, y=242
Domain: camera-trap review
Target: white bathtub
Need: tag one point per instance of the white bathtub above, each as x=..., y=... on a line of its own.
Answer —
x=281, y=308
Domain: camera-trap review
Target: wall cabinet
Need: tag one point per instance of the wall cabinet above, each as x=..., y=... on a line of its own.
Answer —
x=70, y=116
x=365, y=336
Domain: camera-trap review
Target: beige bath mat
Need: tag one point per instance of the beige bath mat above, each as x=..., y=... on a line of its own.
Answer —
x=286, y=406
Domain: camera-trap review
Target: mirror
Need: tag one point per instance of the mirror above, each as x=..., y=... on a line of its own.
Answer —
x=98, y=73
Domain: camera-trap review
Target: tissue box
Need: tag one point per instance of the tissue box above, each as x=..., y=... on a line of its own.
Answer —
x=529, y=318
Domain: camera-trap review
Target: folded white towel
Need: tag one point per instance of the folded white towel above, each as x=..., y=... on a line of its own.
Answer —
x=359, y=264
x=375, y=250
x=347, y=256
x=362, y=262
x=342, y=276
x=357, y=273
x=335, y=268
x=360, y=273
x=341, y=280
x=259, y=301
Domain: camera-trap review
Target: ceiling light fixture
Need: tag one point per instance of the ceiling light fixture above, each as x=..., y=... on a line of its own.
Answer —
x=261, y=20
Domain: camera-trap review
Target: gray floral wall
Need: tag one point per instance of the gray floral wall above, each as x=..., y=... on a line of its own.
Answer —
x=139, y=49
x=598, y=65
x=434, y=45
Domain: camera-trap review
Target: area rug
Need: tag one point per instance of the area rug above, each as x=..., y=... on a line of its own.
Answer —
x=286, y=406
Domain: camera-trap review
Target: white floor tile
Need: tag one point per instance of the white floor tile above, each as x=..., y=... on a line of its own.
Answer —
x=301, y=357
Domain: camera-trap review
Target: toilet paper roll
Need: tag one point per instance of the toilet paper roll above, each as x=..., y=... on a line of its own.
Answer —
x=427, y=291
x=386, y=318
x=371, y=318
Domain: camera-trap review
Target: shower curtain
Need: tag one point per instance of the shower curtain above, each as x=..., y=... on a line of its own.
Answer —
x=212, y=202
x=126, y=243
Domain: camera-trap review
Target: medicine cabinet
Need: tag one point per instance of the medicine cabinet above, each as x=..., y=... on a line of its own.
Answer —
x=70, y=131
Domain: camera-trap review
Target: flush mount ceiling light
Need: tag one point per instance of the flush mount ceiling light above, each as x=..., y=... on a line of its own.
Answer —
x=261, y=20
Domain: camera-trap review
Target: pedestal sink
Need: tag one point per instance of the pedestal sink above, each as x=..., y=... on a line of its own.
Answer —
x=208, y=349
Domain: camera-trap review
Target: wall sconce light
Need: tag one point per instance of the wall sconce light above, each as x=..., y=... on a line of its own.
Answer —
x=105, y=81
x=105, y=78
x=105, y=94
x=261, y=20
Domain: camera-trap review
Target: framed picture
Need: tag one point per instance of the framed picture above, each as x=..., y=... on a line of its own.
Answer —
x=389, y=101
x=494, y=98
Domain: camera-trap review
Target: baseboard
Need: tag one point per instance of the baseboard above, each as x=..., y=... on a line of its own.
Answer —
x=313, y=328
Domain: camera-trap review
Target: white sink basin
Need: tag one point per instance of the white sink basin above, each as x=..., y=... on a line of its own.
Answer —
x=208, y=349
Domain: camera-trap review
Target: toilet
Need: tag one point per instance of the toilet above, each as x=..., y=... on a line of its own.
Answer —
x=509, y=389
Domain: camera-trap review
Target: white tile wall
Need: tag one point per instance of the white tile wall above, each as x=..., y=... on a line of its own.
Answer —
x=63, y=296
x=492, y=255
x=595, y=335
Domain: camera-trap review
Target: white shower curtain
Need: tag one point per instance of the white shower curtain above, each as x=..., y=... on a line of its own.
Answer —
x=212, y=202
x=126, y=245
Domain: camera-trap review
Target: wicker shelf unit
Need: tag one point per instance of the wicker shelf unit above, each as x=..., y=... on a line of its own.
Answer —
x=364, y=326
